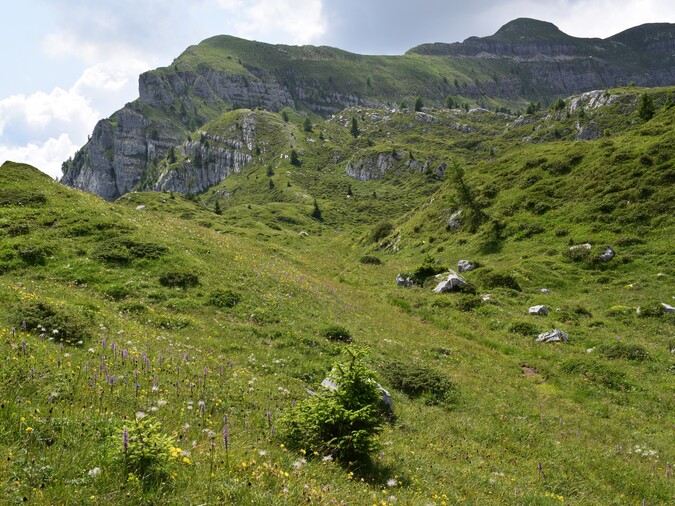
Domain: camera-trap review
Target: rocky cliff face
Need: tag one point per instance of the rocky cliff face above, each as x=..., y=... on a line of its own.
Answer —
x=544, y=63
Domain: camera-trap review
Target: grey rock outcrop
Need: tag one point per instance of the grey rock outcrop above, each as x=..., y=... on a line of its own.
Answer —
x=466, y=266
x=539, y=310
x=553, y=336
x=454, y=220
x=667, y=308
x=404, y=281
x=607, y=255
x=453, y=283
x=370, y=167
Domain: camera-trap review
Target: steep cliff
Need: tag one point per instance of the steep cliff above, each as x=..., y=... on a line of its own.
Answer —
x=526, y=60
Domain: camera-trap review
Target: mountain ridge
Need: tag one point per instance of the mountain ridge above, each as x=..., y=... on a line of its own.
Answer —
x=225, y=73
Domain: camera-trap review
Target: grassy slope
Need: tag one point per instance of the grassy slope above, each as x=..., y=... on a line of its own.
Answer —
x=579, y=414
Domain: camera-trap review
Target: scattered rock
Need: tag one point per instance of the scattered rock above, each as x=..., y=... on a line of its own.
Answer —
x=303, y=234
x=529, y=372
x=486, y=298
x=607, y=255
x=667, y=308
x=579, y=246
x=545, y=291
x=454, y=221
x=404, y=281
x=538, y=310
x=553, y=336
x=466, y=266
x=453, y=283
x=140, y=208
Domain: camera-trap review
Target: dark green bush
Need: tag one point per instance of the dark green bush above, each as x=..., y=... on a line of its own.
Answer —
x=492, y=279
x=224, y=298
x=418, y=381
x=468, y=302
x=337, y=333
x=625, y=351
x=18, y=229
x=344, y=422
x=381, y=230
x=34, y=253
x=21, y=198
x=116, y=292
x=425, y=270
x=61, y=324
x=597, y=372
x=524, y=328
x=371, y=260
x=122, y=250
x=651, y=309
x=181, y=279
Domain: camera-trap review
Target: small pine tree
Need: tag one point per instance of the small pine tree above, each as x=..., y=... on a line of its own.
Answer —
x=284, y=116
x=294, y=158
x=217, y=209
x=355, y=128
x=450, y=103
x=316, y=212
x=418, y=104
x=271, y=184
x=349, y=191
x=171, y=155
x=646, y=109
x=307, y=125
x=270, y=171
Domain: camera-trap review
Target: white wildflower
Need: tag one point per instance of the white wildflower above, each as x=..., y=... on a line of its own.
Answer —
x=94, y=472
x=391, y=482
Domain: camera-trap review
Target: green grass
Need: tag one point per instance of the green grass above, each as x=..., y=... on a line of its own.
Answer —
x=483, y=414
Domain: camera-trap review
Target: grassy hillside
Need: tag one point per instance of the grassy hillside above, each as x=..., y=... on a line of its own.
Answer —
x=155, y=308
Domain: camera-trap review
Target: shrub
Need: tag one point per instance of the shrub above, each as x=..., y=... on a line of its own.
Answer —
x=61, y=324
x=417, y=381
x=492, y=279
x=425, y=270
x=618, y=349
x=343, y=422
x=370, y=260
x=337, y=333
x=173, y=279
x=119, y=250
x=468, y=302
x=596, y=372
x=524, y=328
x=224, y=298
x=34, y=253
x=651, y=309
x=381, y=230
x=116, y=292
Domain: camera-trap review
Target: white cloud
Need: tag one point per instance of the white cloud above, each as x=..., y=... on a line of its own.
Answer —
x=44, y=129
x=46, y=156
x=287, y=21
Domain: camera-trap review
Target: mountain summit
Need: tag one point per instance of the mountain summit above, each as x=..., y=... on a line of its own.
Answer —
x=524, y=61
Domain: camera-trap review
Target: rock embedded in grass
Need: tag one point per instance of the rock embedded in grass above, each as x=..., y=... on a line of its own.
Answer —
x=539, y=310
x=453, y=283
x=553, y=336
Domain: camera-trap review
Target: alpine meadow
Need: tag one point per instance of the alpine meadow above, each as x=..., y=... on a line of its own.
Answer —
x=297, y=275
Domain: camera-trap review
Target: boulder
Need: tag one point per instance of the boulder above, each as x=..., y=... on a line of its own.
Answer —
x=607, y=255
x=454, y=221
x=453, y=283
x=404, y=281
x=540, y=310
x=545, y=291
x=466, y=266
x=553, y=336
x=667, y=308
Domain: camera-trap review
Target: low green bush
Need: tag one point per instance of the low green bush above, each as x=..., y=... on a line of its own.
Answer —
x=620, y=350
x=59, y=324
x=597, y=372
x=418, y=381
x=380, y=231
x=337, y=333
x=524, y=328
x=179, y=279
x=468, y=302
x=224, y=298
x=492, y=279
x=371, y=260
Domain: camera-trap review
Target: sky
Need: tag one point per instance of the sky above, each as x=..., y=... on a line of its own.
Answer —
x=68, y=63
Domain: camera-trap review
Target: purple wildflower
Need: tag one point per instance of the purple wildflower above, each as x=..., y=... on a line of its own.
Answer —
x=226, y=437
x=125, y=439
